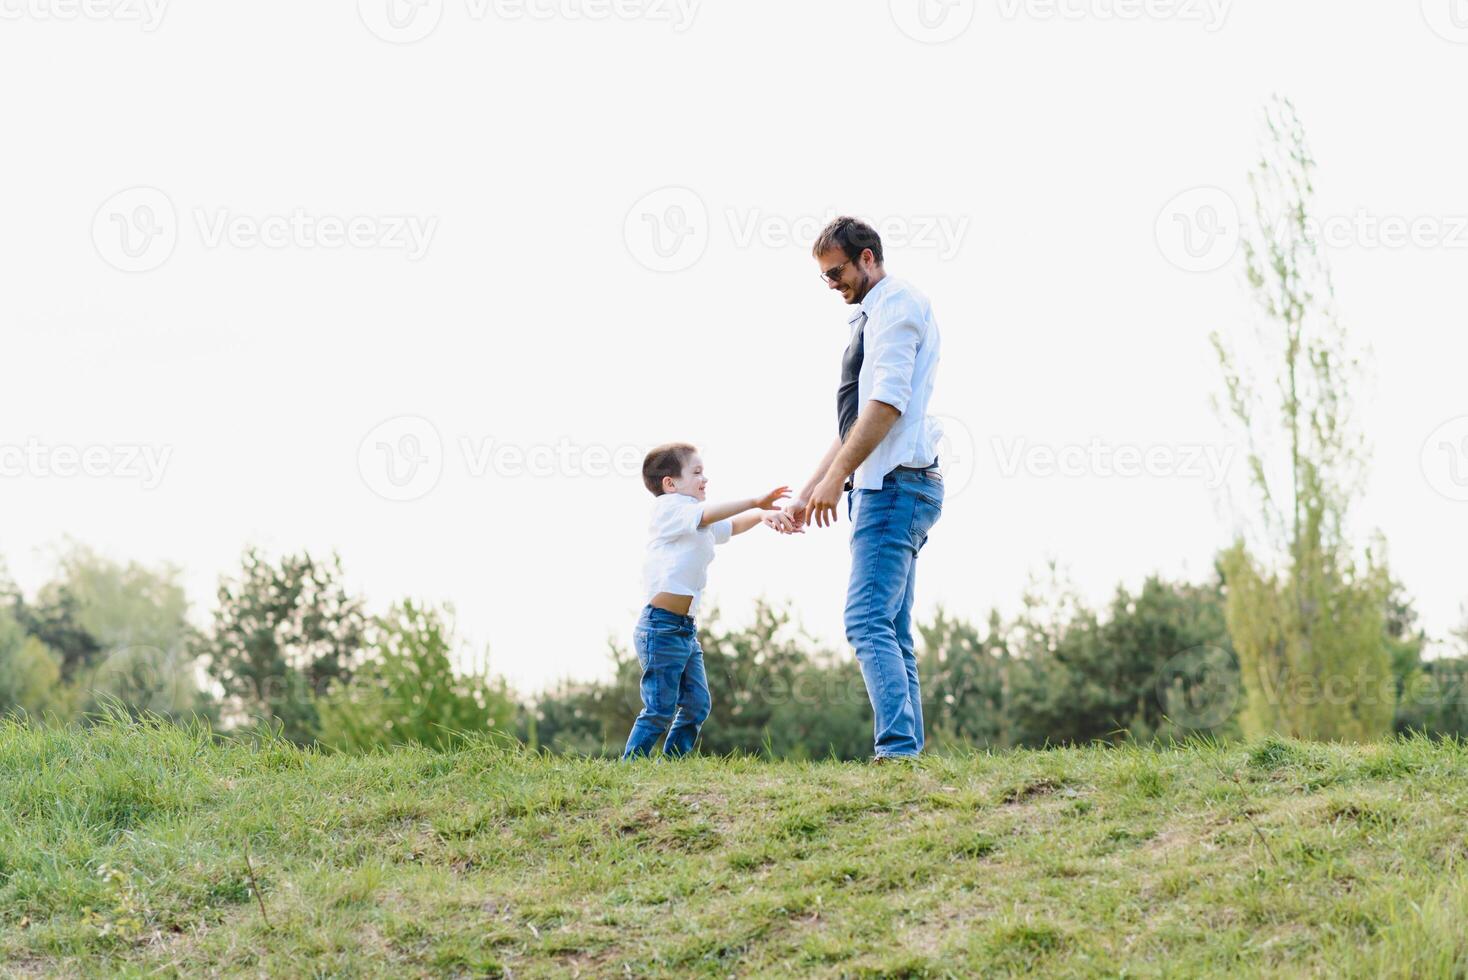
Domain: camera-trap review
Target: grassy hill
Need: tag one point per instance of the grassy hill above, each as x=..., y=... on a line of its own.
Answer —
x=124, y=850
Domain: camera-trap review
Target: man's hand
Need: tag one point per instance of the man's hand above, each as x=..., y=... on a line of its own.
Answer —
x=767, y=502
x=795, y=510
x=821, y=509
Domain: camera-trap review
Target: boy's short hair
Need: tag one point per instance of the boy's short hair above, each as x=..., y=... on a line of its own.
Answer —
x=666, y=460
x=852, y=236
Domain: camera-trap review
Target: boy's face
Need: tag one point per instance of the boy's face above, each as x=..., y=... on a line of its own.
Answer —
x=691, y=482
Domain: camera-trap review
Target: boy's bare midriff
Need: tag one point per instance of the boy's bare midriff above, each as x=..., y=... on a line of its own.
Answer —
x=672, y=603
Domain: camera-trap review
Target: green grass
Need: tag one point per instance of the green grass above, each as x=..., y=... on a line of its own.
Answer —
x=123, y=851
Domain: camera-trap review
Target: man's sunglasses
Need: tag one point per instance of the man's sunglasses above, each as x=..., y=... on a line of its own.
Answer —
x=833, y=274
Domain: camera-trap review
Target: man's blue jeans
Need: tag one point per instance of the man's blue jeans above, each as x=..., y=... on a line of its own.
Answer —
x=888, y=528
x=675, y=691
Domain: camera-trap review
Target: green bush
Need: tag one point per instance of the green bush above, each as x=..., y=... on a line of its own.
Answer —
x=407, y=692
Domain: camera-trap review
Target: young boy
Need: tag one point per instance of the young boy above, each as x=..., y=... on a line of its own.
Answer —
x=684, y=531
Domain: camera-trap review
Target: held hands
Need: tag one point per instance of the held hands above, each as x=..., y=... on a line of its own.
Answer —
x=791, y=520
x=782, y=521
x=785, y=522
x=771, y=515
x=820, y=509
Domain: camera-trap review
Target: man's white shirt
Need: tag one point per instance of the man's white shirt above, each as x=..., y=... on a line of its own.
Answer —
x=899, y=364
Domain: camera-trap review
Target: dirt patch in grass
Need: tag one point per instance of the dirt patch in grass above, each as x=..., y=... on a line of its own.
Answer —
x=1029, y=790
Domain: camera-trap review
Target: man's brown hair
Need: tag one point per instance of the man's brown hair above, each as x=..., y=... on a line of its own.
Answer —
x=852, y=236
x=665, y=460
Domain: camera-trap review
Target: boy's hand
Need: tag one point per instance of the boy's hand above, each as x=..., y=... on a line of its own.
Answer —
x=780, y=521
x=767, y=502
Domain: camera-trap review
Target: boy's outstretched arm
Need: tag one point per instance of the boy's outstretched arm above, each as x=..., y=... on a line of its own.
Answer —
x=779, y=520
x=747, y=520
x=714, y=513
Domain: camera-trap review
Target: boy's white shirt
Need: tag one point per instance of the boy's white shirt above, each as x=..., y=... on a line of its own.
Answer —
x=678, y=550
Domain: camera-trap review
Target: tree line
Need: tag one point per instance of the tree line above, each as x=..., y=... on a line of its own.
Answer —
x=291, y=653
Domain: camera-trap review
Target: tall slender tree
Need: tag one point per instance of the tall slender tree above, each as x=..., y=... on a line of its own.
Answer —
x=1305, y=614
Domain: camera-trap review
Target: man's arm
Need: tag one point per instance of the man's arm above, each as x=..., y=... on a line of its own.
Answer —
x=796, y=508
x=819, y=475
x=872, y=425
x=891, y=347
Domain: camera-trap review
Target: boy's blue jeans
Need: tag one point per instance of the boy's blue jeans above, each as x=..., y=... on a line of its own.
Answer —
x=675, y=691
x=888, y=528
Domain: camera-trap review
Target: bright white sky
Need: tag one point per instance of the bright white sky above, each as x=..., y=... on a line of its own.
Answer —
x=1029, y=163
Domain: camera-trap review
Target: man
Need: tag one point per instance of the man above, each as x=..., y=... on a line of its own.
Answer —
x=885, y=458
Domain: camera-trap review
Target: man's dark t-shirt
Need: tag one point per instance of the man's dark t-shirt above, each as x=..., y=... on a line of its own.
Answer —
x=846, y=396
